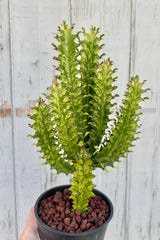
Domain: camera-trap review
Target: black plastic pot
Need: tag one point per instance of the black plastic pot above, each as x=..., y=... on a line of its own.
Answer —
x=48, y=233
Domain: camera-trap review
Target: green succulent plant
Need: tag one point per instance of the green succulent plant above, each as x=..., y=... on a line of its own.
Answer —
x=72, y=127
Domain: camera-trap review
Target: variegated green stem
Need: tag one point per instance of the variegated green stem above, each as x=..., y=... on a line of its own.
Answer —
x=67, y=61
x=45, y=136
x=103, y=102
x=126, y=129
x=82, y=183
x=90, y=58
x=63, y=118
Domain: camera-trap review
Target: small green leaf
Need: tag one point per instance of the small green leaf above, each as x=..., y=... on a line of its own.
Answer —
x=86, y=134
x=81, y=143
x=30, y=135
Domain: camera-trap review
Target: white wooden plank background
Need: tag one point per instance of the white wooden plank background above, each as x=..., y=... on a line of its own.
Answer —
x=144, y=164
x=8, y=220
x=132, y=38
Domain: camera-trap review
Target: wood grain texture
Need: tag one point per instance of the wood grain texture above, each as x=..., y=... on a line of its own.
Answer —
x=132, y=38
x=25, y=88
x=144, y=164
x=7, y=174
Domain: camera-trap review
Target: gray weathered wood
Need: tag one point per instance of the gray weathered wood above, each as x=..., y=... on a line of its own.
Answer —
x=7, y=170
x=132, y=38
x=25, y=89
x=144, y=164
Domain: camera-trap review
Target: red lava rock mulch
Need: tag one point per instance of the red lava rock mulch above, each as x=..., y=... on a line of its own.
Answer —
x=56, y=212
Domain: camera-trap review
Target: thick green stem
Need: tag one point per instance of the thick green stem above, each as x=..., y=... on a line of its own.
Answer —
x=82, y=184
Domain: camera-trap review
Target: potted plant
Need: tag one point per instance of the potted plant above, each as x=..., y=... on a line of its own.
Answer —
x=77, y=129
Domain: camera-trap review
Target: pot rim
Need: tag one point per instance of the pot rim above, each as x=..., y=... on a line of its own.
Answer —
x=96, y=191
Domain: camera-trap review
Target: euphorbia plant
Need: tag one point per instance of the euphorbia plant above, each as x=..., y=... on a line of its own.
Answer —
x=72, y=126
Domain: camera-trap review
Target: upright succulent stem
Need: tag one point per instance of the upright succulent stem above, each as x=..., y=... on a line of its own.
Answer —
x=70, y=125
x=82, y=183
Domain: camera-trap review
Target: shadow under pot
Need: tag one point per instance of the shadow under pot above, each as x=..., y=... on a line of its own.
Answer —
x=96, y=232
